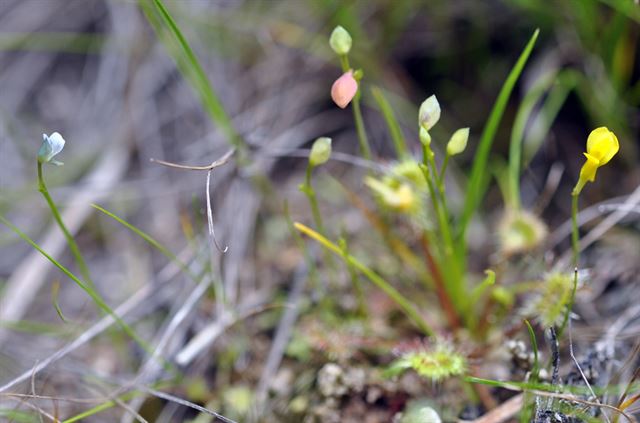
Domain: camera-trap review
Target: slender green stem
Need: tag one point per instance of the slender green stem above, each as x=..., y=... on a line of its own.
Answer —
x=431, y=174
x=443, y=169
x=406, y=306
x=94, y=296
x=355, y=281
x=311, y=266
x=344, y=63
x=362, y=133
x=392, y=123
x=575, y=247
x=82, y=265
x=575, y=241
x=308, y=190
x=534, y=346
x=357, y=113
x=443, y=210
x=439, y=205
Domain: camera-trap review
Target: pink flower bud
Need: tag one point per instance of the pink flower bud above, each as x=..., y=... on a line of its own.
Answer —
x=344, y=89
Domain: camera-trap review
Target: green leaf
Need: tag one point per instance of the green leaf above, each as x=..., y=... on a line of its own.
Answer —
x=157, y=15
x=392, y=123
x=92, y=293
x=153, y=242
x=477, y=180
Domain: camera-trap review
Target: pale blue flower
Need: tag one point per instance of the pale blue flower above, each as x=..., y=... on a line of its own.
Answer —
x=51, y=145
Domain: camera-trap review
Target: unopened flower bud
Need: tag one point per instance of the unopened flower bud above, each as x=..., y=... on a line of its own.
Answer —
x=458, y=142
x=344, y=89
x=429, y=113
x=320, y=151
x=425, y=137
x=340, y=41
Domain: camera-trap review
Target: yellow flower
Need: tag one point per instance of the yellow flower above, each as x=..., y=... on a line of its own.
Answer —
x=399, y=198
x=602, y=145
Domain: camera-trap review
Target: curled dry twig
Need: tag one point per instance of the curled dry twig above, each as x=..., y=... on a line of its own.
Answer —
x=209, y=168
x=216, y=163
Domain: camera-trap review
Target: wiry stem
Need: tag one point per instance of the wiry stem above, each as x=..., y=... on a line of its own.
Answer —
x=357, y=114
x=75, y=251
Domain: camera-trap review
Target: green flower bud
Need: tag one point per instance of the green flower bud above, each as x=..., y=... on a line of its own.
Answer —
x=320, y=152
x=425, y=137
x=458, y=142
x=429, y=113
x=340, y=41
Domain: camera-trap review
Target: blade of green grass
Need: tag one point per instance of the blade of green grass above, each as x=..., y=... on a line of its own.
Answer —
x=102, y=407
x=19, y=416
x=55, y=290
x=392, y=123
x=93, y=294
x=149, y=239
x=566, y=81
x=527, y=408
x=476, y=185
x=404, y=304
x=534, y=347
x=159, y=17
x=523, y=116
x=628, y=8
x=67, y=42
x=37, y=328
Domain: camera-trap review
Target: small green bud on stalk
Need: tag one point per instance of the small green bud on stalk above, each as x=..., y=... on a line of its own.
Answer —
x=429, y=113
x=320, y=151
x=458, y=142
x=340, y=41
x=425, y=137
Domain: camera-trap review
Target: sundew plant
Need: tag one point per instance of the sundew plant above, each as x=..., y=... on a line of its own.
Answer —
x=319, y=211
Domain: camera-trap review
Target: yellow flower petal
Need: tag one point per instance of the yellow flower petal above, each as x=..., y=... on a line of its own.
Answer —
x=588, y=171
x=602, y=144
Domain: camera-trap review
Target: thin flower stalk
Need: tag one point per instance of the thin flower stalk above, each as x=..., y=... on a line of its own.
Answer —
x=73, y=246
x=357, y=113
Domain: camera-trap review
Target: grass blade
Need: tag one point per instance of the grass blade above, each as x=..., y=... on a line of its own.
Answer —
x=392, y=123
x=385, y=286
x=157, y=15
x=93, y=294
x=153, y=242
x=477, y=180
x=523, y=116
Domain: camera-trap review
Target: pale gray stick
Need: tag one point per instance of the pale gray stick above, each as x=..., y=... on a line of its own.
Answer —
x=165, y=275
x=584, y=378
x=283, y=333
x=152, y=365
x=610, y=221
